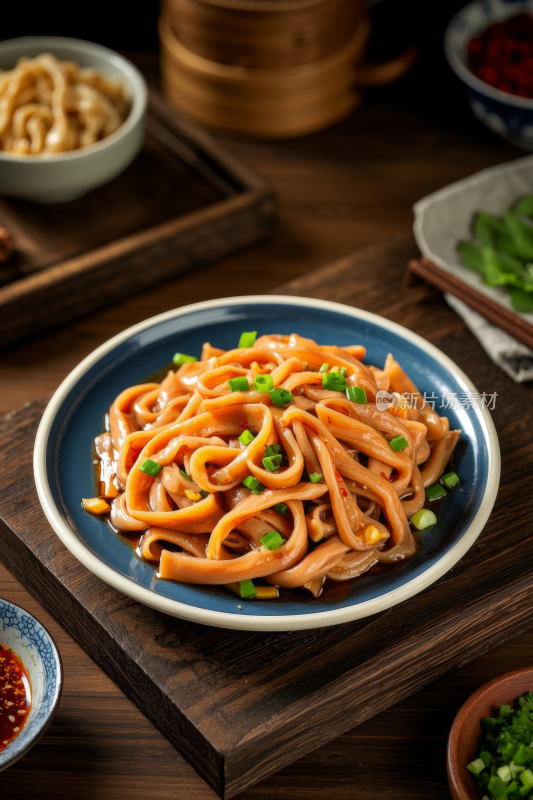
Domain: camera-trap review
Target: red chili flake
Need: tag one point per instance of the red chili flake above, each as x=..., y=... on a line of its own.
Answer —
x=501, y=56
x=338, y=476
x=244, y=424
x=343, y=491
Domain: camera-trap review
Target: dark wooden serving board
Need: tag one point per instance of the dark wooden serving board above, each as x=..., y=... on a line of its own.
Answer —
x=183, y=202
x=239, y=706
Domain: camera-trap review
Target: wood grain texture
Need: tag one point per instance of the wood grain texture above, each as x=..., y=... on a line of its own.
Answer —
x=339, y=191
x=240, y=706
x=183, y=202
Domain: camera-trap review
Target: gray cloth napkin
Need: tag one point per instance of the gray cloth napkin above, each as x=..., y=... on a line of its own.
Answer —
x=513, y=357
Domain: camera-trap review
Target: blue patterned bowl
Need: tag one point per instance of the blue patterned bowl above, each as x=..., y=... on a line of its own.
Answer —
x=64, y=469
x=32, y=643
x=504, y=113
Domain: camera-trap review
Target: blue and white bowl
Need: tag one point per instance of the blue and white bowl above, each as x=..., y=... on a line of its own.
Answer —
x=505, y=114
x=32, y=643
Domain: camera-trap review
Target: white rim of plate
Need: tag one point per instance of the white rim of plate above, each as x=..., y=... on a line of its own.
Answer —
x=221, y=619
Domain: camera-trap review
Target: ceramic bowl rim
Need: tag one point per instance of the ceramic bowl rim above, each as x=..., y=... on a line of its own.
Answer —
x=463, y=714
x=466, y=75
x=57, y=694
x=287, y=622
x=136, y=86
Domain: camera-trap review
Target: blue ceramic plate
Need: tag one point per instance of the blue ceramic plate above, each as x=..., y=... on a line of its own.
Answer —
x=64, y=471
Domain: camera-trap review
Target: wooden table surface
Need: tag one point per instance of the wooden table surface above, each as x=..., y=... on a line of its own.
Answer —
x=339, y=190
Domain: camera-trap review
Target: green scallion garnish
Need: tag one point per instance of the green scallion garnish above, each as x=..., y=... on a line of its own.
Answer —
x=185, y=475
x=272, y=540
x=263, y=383
x=272, y=449
x=503, y=768
x=342, y=372
x=356, y=394
x=253, y=484
x=246, y=437
x=324, y=367
x=281, y=508
x=204, y=493
x=150, y=467
x=239, y=384
x=272, y=463
x=280, y=397
x=247, y=589
x=450, y=480
x=435, y=491
x=334, y=381
x=247, y=339
x=180, y=358
x=398, y=443
x=315, y=477
x=423, y=519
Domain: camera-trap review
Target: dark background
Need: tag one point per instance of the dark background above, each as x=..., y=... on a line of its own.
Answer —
x=430, y=89
x=126, y=25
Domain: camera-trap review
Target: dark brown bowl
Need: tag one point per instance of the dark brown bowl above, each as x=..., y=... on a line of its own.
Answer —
x=465, y=733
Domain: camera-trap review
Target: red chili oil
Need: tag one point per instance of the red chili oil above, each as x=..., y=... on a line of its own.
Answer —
x=15, y=696
x=502, y=55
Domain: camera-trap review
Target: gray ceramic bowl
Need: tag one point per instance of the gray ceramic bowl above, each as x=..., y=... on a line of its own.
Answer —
x=32, y=643
x=65, y=176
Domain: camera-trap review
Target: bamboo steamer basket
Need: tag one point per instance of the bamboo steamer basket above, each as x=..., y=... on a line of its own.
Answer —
x=275, y=102
x=263, y=33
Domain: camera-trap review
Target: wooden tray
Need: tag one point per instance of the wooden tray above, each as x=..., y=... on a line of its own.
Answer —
x=239, y=706
x=183, y=202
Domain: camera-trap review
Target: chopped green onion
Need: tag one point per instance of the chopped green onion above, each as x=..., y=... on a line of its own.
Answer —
x=272, y=540
x=342, y=372
x=185, y=475
x=423, y=519
x=450, y=480
x=247, y=339
x=505, y=711
x=315, y=477
x=272, y=463
x=246, y=437
x=263, y=383
x=324, y=367
x=476, y=766
x=357, y=394
x=204, y=493
x=180, y=358
x=280, y=397
x=504, y=773
x=247, y=589
x=435, y=491
x=526, y=778
x=239, y=384
x=281, y=508
x=150, y=467
x=334, y=381
x=272, y=449
x=398, y=443
x=253, y=484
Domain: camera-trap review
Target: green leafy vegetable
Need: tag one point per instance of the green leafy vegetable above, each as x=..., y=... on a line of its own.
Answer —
x=503, y=252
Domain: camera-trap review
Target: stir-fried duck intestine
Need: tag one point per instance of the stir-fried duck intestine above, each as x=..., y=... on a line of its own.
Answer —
x=228, y=468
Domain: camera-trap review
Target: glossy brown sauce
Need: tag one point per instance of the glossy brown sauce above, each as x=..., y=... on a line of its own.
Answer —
x=331, y=590
x=15, y=696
